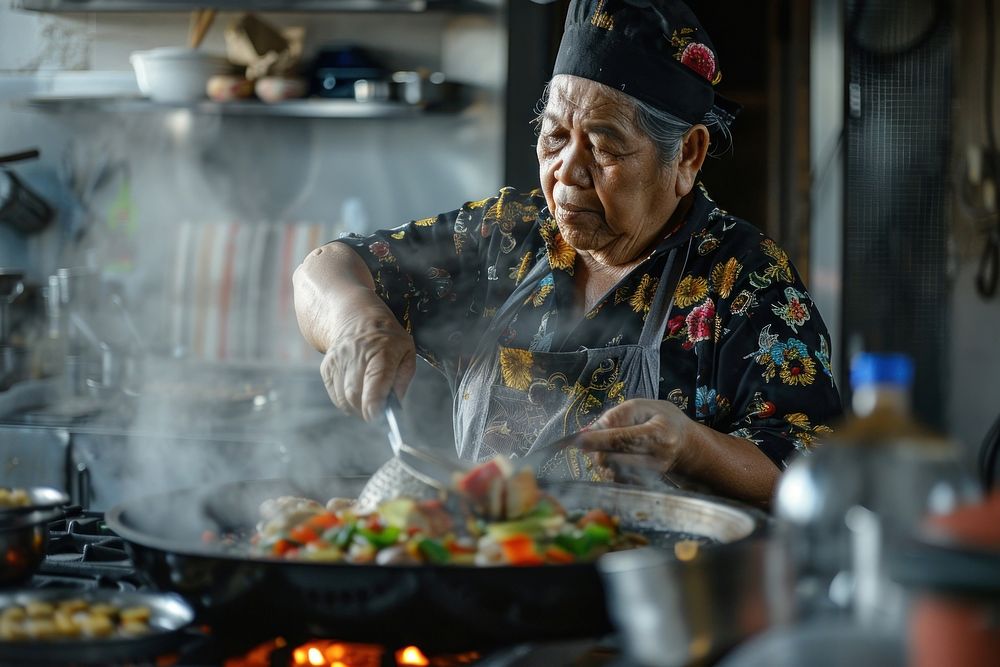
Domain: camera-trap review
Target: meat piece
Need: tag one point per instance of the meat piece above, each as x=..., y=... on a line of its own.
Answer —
x=522, y=494
x=272, y=507
x=497, y=493
x=395, y=555
x=431, y=518
x=339, y=504
x=489, y=552
x=477, y=484
x=281, y=514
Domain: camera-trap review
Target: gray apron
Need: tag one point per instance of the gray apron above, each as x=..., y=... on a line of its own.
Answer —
x=567, y=391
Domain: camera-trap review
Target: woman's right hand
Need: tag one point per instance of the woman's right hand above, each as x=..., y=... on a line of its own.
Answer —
x=369, y=356
x=367, y=352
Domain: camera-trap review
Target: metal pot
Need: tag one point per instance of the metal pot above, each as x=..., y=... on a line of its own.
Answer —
x=23, y=538
x=423, y=88
x=691, y=604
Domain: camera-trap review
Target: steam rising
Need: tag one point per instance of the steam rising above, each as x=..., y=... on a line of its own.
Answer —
x=199, y=416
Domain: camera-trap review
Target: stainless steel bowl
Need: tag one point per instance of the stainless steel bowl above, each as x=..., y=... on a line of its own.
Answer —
x=23, y=538
x=690, y=602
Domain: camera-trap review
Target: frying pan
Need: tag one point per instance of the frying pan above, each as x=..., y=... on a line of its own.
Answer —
x=436, y=606
x=39, y=498
x=168, y=618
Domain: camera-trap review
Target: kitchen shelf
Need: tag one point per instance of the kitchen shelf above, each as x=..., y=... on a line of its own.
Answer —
x=255, y=5
x=306, y=108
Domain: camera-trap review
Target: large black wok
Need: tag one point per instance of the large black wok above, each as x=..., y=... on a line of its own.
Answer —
x=442, y=607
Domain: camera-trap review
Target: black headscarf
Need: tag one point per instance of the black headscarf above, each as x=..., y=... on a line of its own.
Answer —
x=654, y=50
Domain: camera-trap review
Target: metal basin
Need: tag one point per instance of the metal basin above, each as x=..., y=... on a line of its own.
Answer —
x=688, y=605
x=23, y=538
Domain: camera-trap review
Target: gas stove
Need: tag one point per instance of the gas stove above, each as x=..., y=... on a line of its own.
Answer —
x=83, y=554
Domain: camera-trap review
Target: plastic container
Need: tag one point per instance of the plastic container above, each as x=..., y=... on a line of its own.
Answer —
x=846, y=508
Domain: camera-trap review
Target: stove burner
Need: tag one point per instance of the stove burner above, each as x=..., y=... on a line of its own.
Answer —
x=84, y=554
x=82, y=583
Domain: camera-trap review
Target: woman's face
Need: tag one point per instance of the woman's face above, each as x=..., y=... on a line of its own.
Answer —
x=601, y=175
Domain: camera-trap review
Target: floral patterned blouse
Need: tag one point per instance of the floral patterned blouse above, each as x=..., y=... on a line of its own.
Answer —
x=745, y=351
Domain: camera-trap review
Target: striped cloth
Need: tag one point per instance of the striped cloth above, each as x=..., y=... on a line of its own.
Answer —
x=231, y=298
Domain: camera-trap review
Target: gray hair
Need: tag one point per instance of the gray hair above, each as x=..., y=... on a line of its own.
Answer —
x=665, y=130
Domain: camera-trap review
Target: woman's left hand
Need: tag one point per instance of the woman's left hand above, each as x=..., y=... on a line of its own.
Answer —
x=640, y=437
x=640, y=440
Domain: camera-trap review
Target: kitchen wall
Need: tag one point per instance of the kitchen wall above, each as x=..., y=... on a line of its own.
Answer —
x=147, y=174
x=134, y=189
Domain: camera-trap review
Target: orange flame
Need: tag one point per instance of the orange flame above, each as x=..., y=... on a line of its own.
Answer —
x=411, y=655
x=331, y=653
x=325, y=653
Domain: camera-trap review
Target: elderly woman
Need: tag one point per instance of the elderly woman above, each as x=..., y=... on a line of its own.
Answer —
x=618, y=302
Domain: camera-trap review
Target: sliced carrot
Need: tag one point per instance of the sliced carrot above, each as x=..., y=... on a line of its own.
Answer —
x=597, y=516
x=282, y=547
x=324, y=521
x=520, y=550
x=556, y=555
x=456, y=547
x=303, y=534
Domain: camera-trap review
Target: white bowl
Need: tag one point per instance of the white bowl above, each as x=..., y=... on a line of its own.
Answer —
x=175, y=74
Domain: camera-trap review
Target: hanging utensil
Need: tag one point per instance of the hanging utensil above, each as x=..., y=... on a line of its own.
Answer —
x=17, y=157
x=201, y=21
x=988, y=274
x=20, y=207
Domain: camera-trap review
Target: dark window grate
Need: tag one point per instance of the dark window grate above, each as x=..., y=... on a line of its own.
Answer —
x=896, y=226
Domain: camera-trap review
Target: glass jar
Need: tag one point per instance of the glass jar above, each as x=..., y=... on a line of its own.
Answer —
x=846, y=506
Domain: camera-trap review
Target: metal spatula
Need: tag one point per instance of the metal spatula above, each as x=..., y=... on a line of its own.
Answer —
x=412, y=472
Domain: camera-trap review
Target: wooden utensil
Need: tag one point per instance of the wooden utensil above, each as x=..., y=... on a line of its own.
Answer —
x=201, y=21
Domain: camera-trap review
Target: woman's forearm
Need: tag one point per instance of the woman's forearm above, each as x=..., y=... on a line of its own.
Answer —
x=366, y=352
x=332, y=280
x=731, y=466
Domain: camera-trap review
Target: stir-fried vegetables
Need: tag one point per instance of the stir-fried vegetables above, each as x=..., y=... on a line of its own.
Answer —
x=496, y=517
